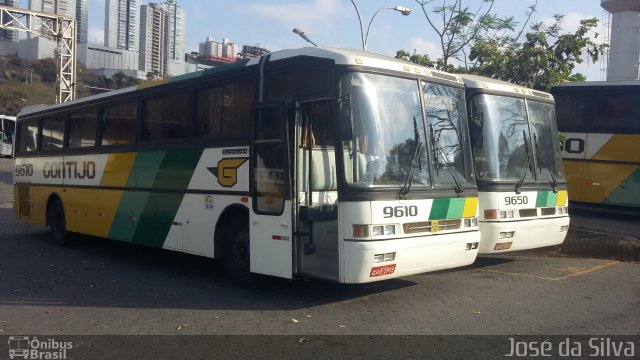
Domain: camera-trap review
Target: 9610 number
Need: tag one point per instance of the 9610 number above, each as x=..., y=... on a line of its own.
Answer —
x=400, y=211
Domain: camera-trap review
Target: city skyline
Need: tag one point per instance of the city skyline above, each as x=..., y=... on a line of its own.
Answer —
x=333, y=23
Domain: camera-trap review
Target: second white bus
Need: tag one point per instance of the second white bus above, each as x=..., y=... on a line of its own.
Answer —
x=516, y=149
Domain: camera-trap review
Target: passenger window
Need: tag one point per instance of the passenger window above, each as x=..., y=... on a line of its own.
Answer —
x=224, y=111
x=82, y=129
x=611, y=111
x=28, y=136
x=119, y=124
x=317, y=117
x=571, y=111
x=53, y=134
x=165, y=118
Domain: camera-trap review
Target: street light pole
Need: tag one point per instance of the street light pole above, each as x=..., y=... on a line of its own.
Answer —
x=365, y=37
x=364, y=47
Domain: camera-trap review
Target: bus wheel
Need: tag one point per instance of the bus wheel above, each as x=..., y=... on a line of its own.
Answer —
x=57, y=223
x=237, y=253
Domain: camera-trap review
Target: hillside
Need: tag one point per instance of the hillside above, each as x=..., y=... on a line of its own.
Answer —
x=24, y=82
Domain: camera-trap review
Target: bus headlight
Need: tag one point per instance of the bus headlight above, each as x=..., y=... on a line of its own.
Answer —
x=506, y=214
x=389, y=229
x=383, y=230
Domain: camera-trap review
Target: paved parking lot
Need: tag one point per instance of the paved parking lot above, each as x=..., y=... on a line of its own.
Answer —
x=107, y=287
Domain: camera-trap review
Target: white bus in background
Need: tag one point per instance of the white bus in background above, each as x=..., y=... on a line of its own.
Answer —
x=516, y=149
x=326, y=163
x=7, y=133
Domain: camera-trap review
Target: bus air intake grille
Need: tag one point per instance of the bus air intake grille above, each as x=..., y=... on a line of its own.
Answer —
x=541, y=94
x=548, y=211
x=444, y=76
x=528, y=213
x=431, y=226
x=24, y=202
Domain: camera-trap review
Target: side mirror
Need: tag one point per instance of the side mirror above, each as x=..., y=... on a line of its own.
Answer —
x=344, y=124
x=476, y=122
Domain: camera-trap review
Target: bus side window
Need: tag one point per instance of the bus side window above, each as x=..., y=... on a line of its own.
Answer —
x=53, y=133
x=317, y=116
x=119, y=124
x=82, y=129
x=165, y=117
x=28, y=136
x=224, y=111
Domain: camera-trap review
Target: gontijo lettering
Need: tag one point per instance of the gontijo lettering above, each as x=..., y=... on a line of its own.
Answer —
x=69, y=170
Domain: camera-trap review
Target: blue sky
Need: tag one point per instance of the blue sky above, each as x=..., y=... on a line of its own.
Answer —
x=335, y=23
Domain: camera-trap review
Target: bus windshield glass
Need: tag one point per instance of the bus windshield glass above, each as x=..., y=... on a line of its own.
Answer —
x=8, y=130
x=511, y=147
x=546, y=140
x=388, y=142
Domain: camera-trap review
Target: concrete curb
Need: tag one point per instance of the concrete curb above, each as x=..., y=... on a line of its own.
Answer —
x=582, y=242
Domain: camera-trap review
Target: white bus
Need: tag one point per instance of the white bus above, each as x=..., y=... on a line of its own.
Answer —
x=326, y=163
x=516, y=150
x=7, y=132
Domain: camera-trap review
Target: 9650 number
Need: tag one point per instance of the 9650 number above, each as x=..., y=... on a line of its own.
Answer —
x=516, y=200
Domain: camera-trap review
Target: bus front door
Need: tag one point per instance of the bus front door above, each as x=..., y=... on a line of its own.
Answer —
x=270, y=228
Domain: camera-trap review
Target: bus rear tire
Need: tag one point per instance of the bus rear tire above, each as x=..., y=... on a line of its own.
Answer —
x=57, y=223
x=237, y=257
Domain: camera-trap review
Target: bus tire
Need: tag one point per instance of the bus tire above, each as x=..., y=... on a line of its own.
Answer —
x=57, y=223
x=237, y=257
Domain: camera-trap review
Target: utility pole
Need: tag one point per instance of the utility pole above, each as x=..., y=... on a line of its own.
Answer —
x=59, y=27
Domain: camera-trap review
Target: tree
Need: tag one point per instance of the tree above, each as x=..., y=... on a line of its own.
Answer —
x=419, y=59
x=545, y=58
x=457, y=26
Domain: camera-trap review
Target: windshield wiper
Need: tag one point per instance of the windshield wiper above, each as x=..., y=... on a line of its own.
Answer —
x=542, y=162
x=528, y=163
x=406, y=187
x=458, y=187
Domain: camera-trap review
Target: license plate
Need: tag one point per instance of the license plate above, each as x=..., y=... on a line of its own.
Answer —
x=503, y=246
x=382, y=270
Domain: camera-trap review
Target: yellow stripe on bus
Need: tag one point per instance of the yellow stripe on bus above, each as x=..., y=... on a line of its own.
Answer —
x=90, y=211
x=117, y=170
x=620, y=147
x=562, y=198
x=470, y=207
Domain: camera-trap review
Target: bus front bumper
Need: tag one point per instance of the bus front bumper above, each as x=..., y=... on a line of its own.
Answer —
x=506, y=236
x=412, y=256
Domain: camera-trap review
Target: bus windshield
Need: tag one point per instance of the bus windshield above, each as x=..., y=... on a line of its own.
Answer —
x=8, y=130
x=546, y=140
x=388, y=143
x=507, y=152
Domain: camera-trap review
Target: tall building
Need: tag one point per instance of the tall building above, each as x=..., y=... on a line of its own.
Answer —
x=82, y=20
x=152, y=37
x=60, y=7
x=175, y=34
x=213, y=51
x=121, y=24
x=9, y=35
x=162, y=35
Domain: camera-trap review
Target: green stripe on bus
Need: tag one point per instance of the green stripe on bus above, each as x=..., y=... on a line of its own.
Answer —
x=546, y=199
x=145, y=169
x=128, y=214
x=446, y=209
x=627, y=193
x=174, y=173
x=177, y=169
x=157, y=218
